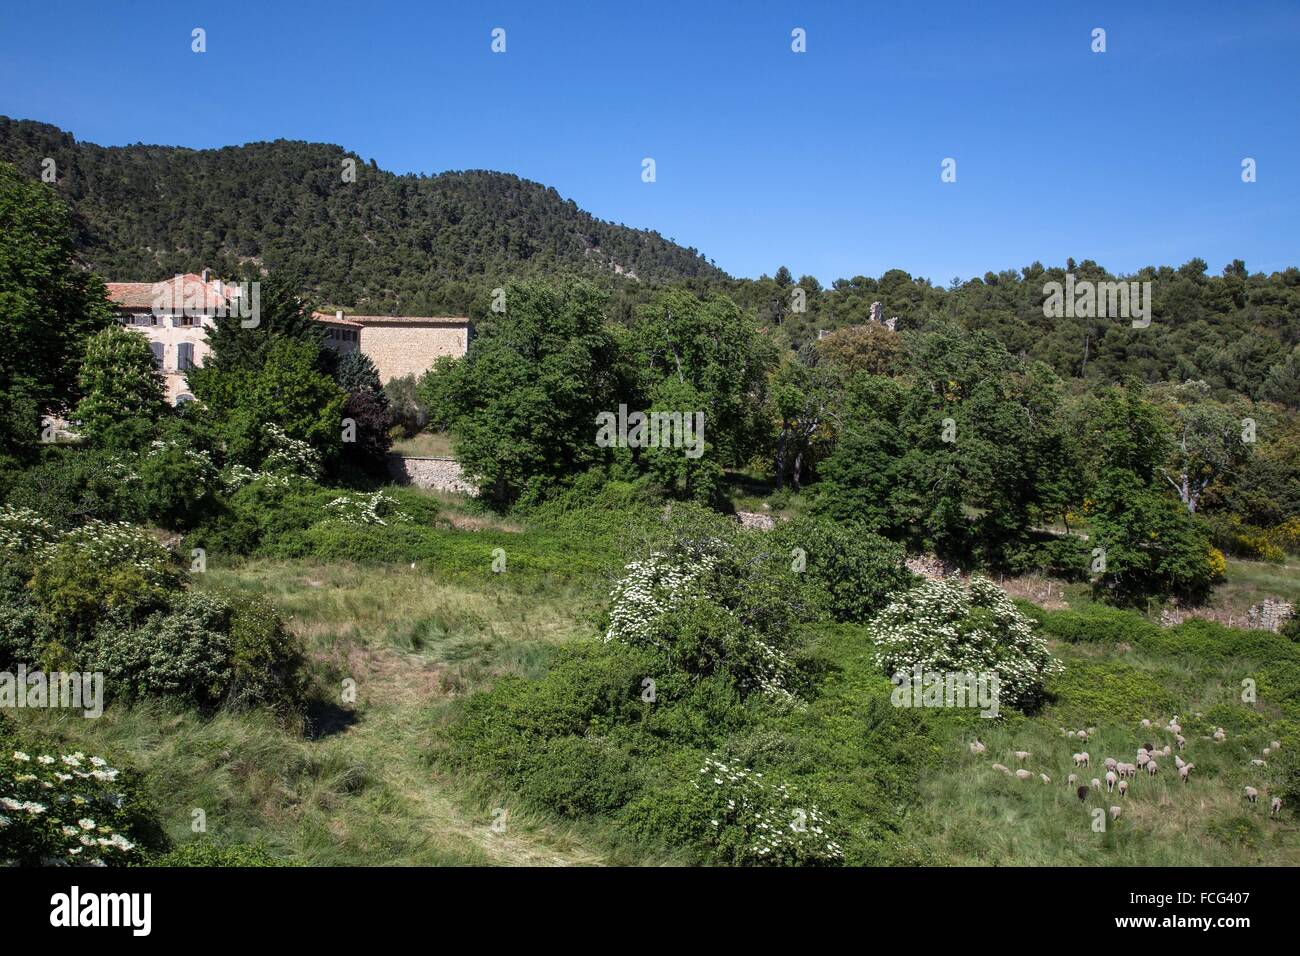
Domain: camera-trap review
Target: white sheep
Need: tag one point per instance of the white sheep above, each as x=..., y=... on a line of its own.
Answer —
x=1023, y=774
x=976, y=747
x=1082, y=735
x=1181, y=741
x=1143, y=758
x=1123, y=788
x=1023, y=755
x=1152, y=767
x=1259, y=763
x=1276, y=806
x=1110, y=763
x=1175, y=728
x=998, y=766
x=1179, y=761
x=1219, y=735
x=1276, y=745
x=1145, y=722
x=1086, y=759
x=1184, y=770
x=1251, y=794
x=1072, y=779
x=1114, y=813
x=1096, y=784
x=1110, y=781
x=1045, y=778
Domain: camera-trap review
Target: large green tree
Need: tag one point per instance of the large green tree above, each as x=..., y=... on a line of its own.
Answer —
x=49, y=306
x=122, y=393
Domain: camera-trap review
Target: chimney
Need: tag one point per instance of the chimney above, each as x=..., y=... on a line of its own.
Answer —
x=205, y=274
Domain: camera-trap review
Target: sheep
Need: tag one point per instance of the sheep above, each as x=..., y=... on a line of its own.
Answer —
x=1251, y=794
x=1123, y=788
x=1275, y=807
x=1082, y=735
x=1114, y=813
x=1091, y=731
x=1276, y=745
x=1082, y=793
x=1152, y=767
x=1086, y=759
x=1128, y=770
x=1179, y=762
x=1267, y=751
x=976, y=747
x=1259, y=763
x=1143, y=758
x=1184, y=770
x=1145, y=723
x=1219, y=735
x=1110, y=781
x=1023, y=755
x=1175, y=728
x=1071, y=780
x=1078, y=759
x=1165, y=752
x=998, y=766
x=1181, y=741
x=1110, y=763
x=1045, y=778
x=1023, y=774
x=1096, y=784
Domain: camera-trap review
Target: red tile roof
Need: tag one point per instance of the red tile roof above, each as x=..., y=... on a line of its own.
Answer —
x=172, y=294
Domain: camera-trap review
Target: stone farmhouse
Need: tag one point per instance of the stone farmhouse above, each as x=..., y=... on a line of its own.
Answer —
x=175, y=315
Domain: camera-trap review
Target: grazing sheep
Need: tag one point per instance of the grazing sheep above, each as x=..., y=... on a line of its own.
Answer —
x=1145, y=722
x=1276, y=807
x=998, y=766
x=1023, y=755
x=1181, y=741
x=1091, y=731
x=1184, y=770
x=1166, y=752
x=1045, y=778
x=1219, y=735
x=1175, y=729
x=976, y=747
x=1081, y=793
x=1086, y=759
x=1152, y=767
x=1078, y=759
x=1082, y=735
x=1178, y=762
x=1128, y=770
x=1110, y=781
x=1259, y=763
x=1071, y=780
x=1276, y=745
x=1096, y=784
x=1114, y=813
x=1123, y=788
x=1023, y=774
x=1251, y=794
x=1110, y=763
x=1143, y=758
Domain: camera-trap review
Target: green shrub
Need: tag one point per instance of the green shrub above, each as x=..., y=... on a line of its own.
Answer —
x=1090, y=689
x=858, y=571
x=69, y=486
x=1097, y=624
x=266, y=661
x=579, y=776
x=204, y=854
x=183, y=653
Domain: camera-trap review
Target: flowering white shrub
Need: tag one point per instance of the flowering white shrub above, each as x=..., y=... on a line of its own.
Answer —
x=116, y=544
x=291, y=456
x=62, y=811
x=647, y=590
x=667, y=605
x=945, y=627
x=23, y=531
x=360, y=509
x=754, y=821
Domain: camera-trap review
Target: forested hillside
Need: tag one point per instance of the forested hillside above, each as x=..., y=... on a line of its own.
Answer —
x=383, y=241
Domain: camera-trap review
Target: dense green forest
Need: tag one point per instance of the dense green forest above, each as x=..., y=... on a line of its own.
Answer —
x=382, y=242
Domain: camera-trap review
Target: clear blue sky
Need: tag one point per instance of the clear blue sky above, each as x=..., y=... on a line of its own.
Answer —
x=826, y=161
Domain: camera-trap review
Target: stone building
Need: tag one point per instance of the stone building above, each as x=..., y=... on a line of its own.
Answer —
x=176, y=313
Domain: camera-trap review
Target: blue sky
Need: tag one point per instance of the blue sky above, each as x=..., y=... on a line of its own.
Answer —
x=826, y=161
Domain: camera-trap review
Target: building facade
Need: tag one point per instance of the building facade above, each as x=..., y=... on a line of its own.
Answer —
x=175, y=315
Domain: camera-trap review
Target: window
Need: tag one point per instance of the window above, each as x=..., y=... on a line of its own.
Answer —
x=157, y=349
x=184, y=356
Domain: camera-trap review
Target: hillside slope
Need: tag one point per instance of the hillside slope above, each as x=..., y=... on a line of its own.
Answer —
x=382, y=241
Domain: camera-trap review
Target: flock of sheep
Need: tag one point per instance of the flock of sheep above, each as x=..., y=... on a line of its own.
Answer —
x=1118, y=774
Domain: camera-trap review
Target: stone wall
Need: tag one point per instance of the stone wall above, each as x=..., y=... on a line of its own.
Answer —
x=399, y=349
x=442, y=474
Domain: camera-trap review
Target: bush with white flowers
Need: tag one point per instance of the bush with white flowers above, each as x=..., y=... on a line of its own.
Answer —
x=743, y=818
x=948, y=628
x=64, y=810
x=360, y=508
